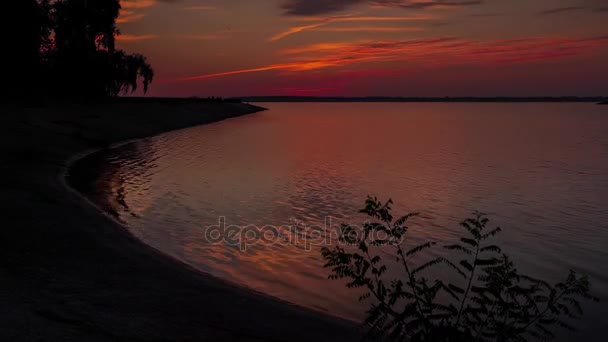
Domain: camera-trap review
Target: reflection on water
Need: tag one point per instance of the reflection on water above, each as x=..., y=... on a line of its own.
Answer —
x=539, y=170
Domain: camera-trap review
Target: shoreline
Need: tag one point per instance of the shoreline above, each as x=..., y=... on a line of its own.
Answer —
x=82, y=160
x=69, y=272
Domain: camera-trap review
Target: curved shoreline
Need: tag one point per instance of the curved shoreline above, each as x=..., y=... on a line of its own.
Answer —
x=79, y=157
x=110, y=213
x=70, y=273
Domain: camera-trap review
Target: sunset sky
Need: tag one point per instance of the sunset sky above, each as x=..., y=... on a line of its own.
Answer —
x=371, y=47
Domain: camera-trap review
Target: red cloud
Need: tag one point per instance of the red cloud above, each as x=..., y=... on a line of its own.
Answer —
x=432, y=52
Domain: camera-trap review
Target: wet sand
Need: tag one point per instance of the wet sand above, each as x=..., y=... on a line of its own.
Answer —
x=70, y=273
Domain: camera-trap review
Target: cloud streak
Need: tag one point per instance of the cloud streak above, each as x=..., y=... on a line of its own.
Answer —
x=127, y=16
x=315, y=7
x=428, y=53
x=321, y=22
x=134, y=10
x=319, y=7
x=296, y=29
x=369, y=29
x=125, y=38
x=561, y=10
x=137, y=4
x=423, y=4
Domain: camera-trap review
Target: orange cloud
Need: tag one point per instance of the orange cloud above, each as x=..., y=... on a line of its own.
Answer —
x=368, y=18
x=136, y=4
x=134, y=37
x=368, y=29
x=131, y=10
x=127, y=16
x=317, y=48
x=295, y=30
x=296, y=66
x=228, y=73
x=320, y=22
x=432, y=52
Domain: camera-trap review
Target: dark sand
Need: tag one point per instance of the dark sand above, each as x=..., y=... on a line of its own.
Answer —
x=70, y=273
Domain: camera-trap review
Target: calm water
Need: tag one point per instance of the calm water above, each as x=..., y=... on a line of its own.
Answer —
x=539, y=170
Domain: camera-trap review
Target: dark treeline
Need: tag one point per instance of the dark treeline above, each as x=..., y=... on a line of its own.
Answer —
x=65, y=49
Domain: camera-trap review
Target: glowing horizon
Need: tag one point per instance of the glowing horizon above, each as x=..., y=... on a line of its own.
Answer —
x=375, y=47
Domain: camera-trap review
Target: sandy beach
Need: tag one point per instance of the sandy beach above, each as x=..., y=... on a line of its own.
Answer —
x=70, y=273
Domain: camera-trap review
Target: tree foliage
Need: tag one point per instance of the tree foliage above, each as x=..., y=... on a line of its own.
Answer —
x=67, y=49
x=489, y=301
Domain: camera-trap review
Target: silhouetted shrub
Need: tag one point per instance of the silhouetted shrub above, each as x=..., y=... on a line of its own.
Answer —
x=490, y=300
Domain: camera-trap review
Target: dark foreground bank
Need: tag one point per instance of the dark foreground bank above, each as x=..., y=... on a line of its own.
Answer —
x=69, y=273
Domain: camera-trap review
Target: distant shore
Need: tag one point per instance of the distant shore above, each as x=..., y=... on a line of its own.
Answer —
x=501, y=99
x=70, y=273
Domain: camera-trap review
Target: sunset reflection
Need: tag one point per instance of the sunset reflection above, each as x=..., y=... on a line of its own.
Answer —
x=316, y=161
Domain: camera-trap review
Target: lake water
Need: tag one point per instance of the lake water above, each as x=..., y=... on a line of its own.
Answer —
x=539, y=170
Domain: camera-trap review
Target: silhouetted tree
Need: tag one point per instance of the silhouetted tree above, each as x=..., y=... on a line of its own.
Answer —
x=22, y=41
x=84, y=33
x=127, y=70
x=66, y=48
